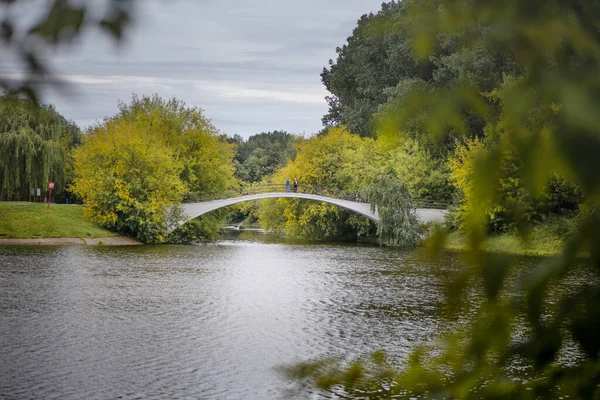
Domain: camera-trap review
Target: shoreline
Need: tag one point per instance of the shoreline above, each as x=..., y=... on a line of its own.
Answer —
x=106, y=241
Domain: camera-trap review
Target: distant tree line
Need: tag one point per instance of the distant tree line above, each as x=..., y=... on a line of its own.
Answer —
x=262, y=154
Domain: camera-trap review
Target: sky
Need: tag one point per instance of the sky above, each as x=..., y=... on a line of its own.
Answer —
x=253, y=66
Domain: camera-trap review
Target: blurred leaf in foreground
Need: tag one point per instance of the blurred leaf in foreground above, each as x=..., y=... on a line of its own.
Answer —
x=541, y=121
x=57, y=23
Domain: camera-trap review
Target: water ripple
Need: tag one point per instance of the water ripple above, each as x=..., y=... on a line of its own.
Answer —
x=208, y=321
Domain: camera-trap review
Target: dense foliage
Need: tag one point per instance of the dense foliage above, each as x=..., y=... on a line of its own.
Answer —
x=338, y=163
x=391, y=63
x=262, y=154
x=134, y=166
x=398, y=223
x=512, y=202
x=538, y=127
x=35, y=146
x=426, y=175
x=378, y=65
x=365, y=68
x=335, y=162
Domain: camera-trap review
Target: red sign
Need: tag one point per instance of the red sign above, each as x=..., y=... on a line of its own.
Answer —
x=50, y=185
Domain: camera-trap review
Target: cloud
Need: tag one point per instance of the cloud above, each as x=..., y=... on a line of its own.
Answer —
x=240, y=92
x=222, y=90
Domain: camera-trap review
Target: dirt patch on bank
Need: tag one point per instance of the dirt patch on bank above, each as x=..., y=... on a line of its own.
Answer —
x=109, y=241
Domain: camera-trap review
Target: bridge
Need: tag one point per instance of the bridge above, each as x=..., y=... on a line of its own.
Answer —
x=193, y=207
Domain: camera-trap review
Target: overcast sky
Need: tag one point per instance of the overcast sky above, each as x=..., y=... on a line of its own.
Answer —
x=253, y=65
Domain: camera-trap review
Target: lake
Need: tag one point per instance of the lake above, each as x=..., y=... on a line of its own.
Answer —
x=212, y=321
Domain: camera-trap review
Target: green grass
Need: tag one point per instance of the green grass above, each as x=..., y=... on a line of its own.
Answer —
x=31, y=220
x=542, y=241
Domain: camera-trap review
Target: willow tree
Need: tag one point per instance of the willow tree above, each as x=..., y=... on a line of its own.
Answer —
x=35, y=144
x=398, y=224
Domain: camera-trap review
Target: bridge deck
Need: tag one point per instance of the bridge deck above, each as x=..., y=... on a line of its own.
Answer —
x=194, y=210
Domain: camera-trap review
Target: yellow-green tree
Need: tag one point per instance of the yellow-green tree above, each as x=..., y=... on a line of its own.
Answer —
x=337, y=162
x=426, y=176
x=342, y=162
x=136, y=165
x=205, y=156
x=126, y=178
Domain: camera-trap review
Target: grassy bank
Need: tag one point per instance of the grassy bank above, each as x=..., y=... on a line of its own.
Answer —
x=34, y=220
x=542, y=241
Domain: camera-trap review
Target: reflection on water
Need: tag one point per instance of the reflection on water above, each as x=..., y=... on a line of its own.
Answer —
x=207, y=321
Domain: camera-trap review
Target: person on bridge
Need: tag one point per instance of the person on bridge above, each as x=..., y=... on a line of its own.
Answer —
x=295, y=185
x=287, y=184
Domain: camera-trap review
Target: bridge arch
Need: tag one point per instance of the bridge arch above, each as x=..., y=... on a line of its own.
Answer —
x=194, y=210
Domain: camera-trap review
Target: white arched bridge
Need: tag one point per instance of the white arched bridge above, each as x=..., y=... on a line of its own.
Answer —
x=426, y=210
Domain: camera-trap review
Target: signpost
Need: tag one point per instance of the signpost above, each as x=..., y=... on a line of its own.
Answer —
x=50, y=186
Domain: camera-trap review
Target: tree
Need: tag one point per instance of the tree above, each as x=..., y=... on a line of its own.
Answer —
x=426, y=176
x=512, y=202
x=398, y=224
x=364, y=68
x=36, y=143
x=379, y=59
x=127, y=178
x=263, y=154
x=143, y=161
x=339, y=162
x=206, y=157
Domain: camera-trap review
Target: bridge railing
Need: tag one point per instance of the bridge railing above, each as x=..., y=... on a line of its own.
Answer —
x=269, y=188
x=308, y=189
x=428, y=203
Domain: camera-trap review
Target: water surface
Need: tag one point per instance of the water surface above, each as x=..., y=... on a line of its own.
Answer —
x=208, y=321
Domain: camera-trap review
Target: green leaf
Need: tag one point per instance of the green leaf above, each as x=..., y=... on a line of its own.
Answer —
x=494, y=269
